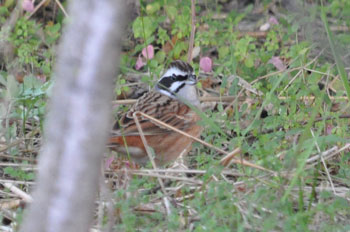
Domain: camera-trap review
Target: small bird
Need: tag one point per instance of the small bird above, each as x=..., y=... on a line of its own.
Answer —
x=166, y=102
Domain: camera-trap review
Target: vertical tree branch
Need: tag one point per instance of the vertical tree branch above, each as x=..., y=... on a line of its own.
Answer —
x=193, y=31
x=78, y=118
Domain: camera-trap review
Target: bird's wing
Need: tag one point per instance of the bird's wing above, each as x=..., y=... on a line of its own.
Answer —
x=159, y=106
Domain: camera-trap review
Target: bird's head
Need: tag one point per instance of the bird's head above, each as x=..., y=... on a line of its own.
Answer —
x=179, y=82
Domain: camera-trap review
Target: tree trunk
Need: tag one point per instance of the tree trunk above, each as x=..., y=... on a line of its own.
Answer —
x=77, y=122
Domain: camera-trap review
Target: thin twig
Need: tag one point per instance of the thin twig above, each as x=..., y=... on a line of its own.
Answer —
x=27, y=198
x=311, y=98
x=323, y=162
x=227, y=158
x=324, y=154
x=36, y=9
x=319, y=72
x=202, y=99
x=149, y=153
x=237, y=161
x=290, y=82
x=183, y=133
x=17, y=182
x=287, y=71
x=345, y=147
x=273, y=74
x=193, y=30
x=62, y=8
x=17, y=158
x=168, y=177
x=15, y=143
x=226, y=99
x=190, y=171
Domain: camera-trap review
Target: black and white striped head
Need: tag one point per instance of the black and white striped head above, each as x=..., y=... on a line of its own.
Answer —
x=179, y=81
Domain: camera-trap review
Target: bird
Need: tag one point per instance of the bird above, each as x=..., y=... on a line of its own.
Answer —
x=168, y=102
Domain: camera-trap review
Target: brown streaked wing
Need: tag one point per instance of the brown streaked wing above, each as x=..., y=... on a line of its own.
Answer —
x=159, y=106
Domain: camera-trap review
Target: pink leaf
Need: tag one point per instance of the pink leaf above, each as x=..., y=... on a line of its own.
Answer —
x=277, y=62
x=148, y=52
x=329, y=129
x=206, y=64
x=139, y=63
x=28, y=5
x=273, y=21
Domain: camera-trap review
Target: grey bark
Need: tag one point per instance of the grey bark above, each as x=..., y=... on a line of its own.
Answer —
x=77, y=122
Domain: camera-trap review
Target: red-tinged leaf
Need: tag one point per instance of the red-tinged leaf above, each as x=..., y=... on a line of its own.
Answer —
x=139, y=63
x=206, y=64
x=273, y=20
x=329, y=129
x=277, y=62
x=148, y=52
x=28, y=5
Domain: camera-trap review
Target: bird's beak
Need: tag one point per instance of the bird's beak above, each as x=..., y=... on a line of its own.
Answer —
x=192, y=79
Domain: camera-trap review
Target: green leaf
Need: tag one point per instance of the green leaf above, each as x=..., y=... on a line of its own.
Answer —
x=338, y=60
x=152, y=8
x=9, y=3
x=31, y=82
x=144, y=27
x=171, y=12
x=30, y=176
x=160, y=56
x=153, y=63
x=12, y=87
x=2, y=80
x=223, y=52
x=10, y=171
x=249, y=62
x=3, y=11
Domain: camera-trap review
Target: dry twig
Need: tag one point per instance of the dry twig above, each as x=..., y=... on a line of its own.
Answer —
x=193, y=31
x=23, y=195
x=238, y=161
